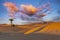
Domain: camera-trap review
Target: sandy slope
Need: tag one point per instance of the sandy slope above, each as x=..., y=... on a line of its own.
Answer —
x=49, y=32
x=51, y=28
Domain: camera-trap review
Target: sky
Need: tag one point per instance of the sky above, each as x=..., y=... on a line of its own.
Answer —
x=54, y=14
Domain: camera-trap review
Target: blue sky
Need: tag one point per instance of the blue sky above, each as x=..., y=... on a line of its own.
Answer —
x=55, y=5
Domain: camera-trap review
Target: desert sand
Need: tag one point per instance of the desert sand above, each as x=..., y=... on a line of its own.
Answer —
x=35, y=31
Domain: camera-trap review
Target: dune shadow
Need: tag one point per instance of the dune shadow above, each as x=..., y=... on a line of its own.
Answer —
x=33, y=36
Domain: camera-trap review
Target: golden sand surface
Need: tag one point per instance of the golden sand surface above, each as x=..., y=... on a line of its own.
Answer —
x=50, y=28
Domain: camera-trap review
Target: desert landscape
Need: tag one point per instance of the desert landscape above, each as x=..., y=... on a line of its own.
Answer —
x=34, y=31
x=29, y=19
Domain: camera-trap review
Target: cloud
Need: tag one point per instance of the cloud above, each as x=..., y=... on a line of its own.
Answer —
x=30, y=9
x=27, y=12
x=11, y=8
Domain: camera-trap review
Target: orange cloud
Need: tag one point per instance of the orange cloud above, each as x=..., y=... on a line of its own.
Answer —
x=12, y=8
x=29, y=8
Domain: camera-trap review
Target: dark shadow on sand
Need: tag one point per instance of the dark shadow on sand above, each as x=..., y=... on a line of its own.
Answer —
x=21, y=36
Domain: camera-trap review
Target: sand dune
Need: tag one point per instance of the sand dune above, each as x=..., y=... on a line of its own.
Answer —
x=36, y=31
x=51, y=28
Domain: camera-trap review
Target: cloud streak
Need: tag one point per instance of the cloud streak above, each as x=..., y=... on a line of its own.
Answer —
x=28, y=12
